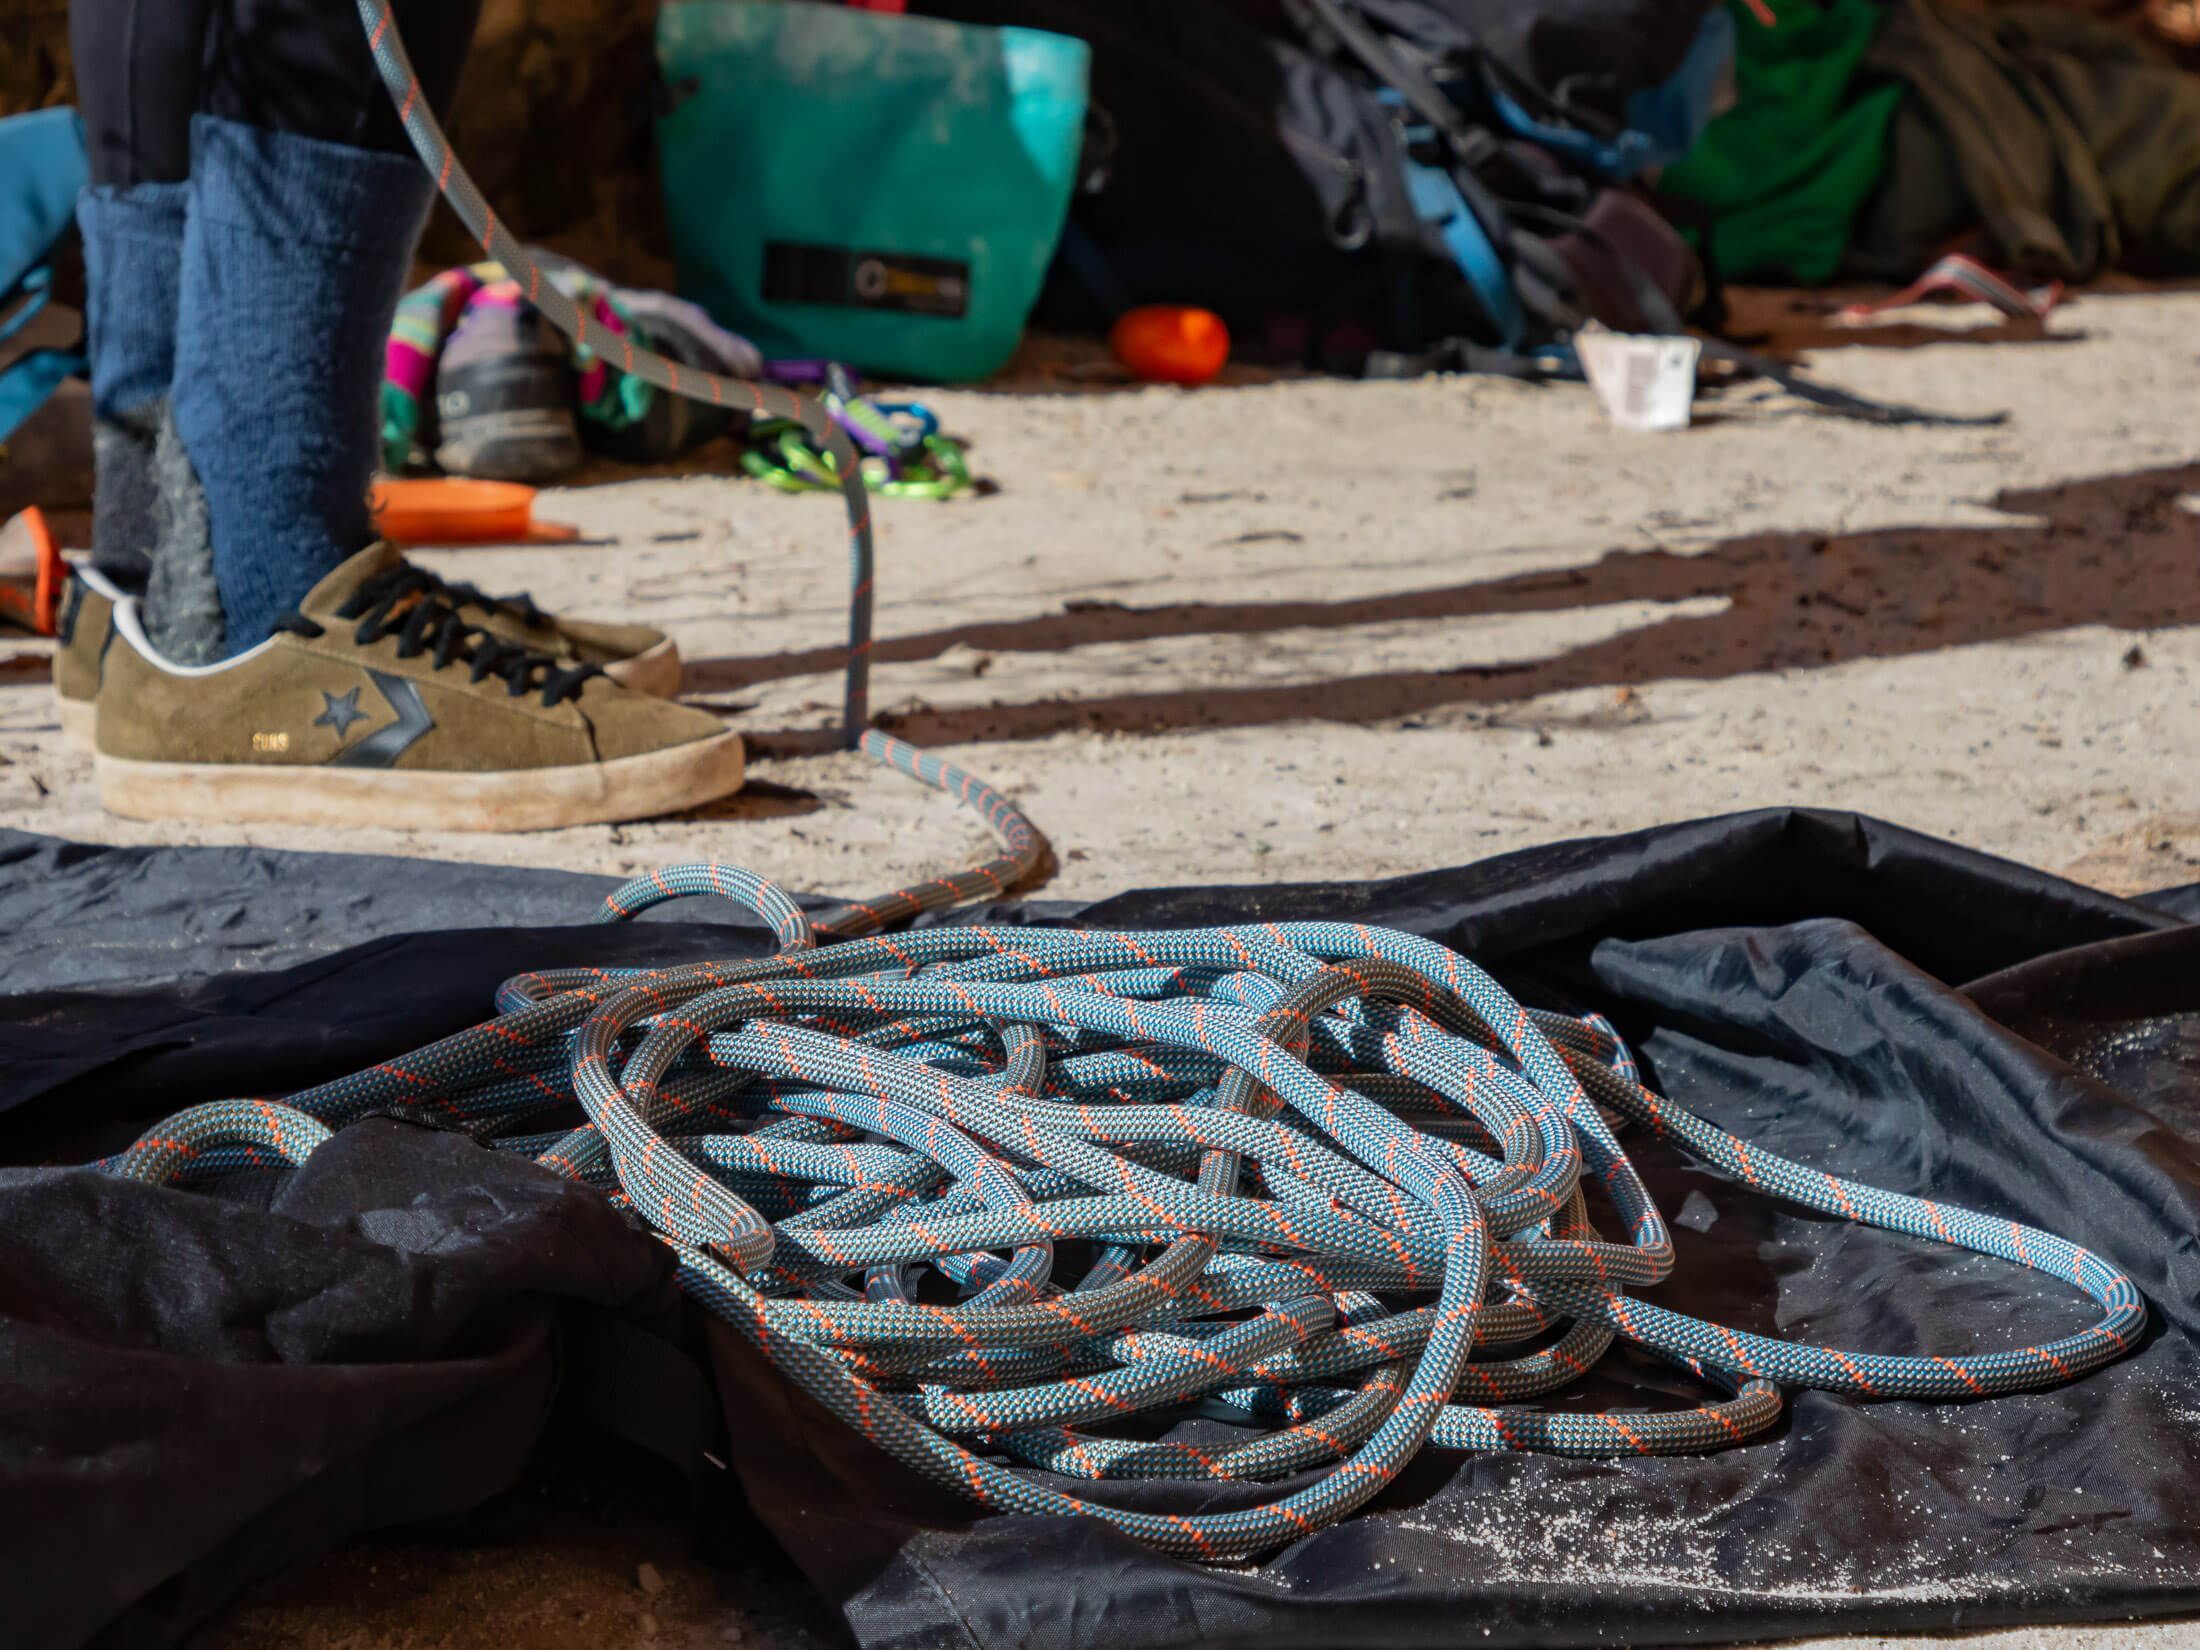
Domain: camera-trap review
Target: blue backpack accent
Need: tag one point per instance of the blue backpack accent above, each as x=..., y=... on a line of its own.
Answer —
x=1436, y=197
x=42, y=171
x=1663, y=120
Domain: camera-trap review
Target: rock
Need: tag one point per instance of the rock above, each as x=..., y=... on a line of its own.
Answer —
x=650, y=1578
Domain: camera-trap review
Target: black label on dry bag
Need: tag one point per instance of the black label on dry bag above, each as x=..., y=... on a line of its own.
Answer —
x=795, y=274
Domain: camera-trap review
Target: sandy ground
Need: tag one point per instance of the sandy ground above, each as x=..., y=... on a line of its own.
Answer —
x=1316, y=629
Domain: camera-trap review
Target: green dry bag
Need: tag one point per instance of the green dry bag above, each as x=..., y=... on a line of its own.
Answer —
x=871, y=188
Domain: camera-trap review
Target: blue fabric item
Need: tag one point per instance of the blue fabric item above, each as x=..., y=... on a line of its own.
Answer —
x=1663, y=121
x=42, y=169
x=293, y=260
x=133, y=256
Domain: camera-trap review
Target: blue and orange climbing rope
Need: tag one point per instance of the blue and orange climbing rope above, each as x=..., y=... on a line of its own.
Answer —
x=988, y=1193
x=1007, y=1199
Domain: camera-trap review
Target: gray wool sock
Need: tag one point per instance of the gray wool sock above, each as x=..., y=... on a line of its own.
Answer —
x=125, y=496
x=183, y=600
x=133, y=253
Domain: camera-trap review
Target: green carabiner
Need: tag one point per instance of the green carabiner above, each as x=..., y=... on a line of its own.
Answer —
x=782, y=454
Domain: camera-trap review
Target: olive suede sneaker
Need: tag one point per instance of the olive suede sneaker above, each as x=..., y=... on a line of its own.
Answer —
x=633, y=655
x=376, y=704
x=80, y=646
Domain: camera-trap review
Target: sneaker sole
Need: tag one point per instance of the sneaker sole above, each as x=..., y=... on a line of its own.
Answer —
x=507, y=418
x=655, y=671
x=78, y=718
x=513, y=446
x=523, y=799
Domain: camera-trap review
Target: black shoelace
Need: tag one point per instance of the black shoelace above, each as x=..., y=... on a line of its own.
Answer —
x=472, y=595
x=420, y=610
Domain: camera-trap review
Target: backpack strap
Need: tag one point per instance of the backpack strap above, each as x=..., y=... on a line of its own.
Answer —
x=1436, y=197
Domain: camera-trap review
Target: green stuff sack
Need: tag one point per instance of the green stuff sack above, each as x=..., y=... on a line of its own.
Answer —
x=871, y=188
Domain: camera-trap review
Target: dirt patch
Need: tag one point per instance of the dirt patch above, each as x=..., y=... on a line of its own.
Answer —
x=2161, y=851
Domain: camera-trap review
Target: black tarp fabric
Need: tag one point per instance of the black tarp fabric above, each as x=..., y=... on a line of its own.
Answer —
x=196, y=1390
x=1854, y=995
x=84, y=914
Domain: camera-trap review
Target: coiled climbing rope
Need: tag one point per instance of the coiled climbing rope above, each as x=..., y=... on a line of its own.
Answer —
x=1007, y=1199
x=1012, y=1198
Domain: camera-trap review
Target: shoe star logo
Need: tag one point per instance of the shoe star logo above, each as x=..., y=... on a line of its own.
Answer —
x=382, y=747
x=343, y=710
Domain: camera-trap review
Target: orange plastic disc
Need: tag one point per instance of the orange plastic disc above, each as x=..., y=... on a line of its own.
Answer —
x=454, y=510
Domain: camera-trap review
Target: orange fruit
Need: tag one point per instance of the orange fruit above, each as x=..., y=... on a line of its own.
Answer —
x=1171, y=343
